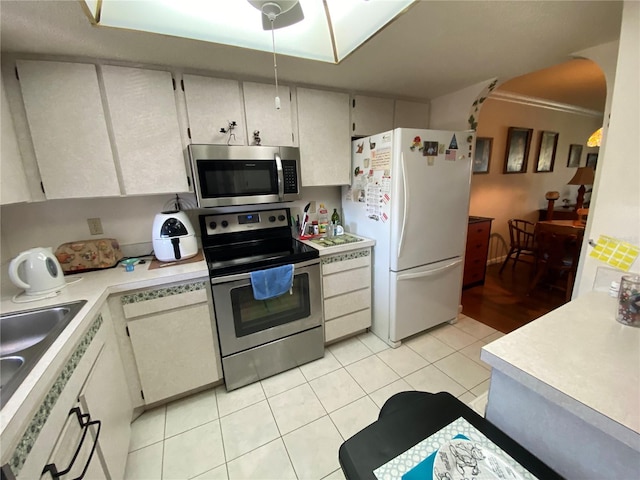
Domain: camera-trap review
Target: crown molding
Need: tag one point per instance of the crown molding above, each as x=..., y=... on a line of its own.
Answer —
x=505, y=96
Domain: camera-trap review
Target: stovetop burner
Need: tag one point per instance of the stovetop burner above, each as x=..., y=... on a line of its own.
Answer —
x=247, y=241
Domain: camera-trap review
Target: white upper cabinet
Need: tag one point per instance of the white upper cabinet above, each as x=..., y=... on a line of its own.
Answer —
x=213, y=103
x=68, y=129
x=411, y=115
x=13, y=186
x=275, y=126
x=371, y=115
x=325, y=143
x=146, y=132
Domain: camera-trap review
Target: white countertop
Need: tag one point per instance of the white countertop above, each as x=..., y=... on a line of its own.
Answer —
x=347, y=247
x=579, y=357
x=94, y=287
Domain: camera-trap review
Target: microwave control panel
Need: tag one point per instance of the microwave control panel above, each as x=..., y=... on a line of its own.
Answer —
x=290, y=173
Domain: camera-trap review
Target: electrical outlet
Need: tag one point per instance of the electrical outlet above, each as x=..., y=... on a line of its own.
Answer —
x=95, y=226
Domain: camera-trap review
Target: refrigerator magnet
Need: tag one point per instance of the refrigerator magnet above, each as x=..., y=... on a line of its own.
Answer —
x=417, y=143
x=430, y=161
x=430, y=149
x=450, y=155
x=441, y=148
x=360, y=147
x=454, y=143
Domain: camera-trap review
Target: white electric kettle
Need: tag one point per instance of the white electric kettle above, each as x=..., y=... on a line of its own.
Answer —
x=37, y=271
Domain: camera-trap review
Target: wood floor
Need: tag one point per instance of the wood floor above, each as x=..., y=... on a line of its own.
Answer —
x=502, y=302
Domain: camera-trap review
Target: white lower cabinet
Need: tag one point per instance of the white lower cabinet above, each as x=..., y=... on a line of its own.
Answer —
x=173, y=339
x=346, y=287
x=83, y=422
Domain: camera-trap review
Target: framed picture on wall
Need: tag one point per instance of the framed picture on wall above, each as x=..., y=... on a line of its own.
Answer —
x=482, y=155
x=517, y=151
x=592, y=160
x=546, y=151
x=575, y=153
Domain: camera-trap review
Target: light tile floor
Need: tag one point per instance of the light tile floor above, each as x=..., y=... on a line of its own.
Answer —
x=291, y=425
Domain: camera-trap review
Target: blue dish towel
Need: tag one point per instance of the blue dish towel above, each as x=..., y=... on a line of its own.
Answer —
x=272, y=282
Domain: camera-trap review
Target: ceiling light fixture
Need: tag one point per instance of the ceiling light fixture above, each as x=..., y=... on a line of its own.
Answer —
x=327, y=31
x=595, y=139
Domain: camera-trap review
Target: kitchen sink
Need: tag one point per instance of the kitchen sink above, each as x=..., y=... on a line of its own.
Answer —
x=24, y=337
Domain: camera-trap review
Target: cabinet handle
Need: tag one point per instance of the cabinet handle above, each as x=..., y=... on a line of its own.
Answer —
x=84, y=419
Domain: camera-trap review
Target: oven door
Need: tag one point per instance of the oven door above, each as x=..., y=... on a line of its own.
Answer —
x=245, y=323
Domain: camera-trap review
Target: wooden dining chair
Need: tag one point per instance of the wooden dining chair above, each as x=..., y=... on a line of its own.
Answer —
x=521, y=236
x=582, y=216
x=556, y=256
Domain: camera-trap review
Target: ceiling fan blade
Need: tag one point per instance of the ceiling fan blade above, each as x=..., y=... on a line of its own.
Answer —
x=285, y=19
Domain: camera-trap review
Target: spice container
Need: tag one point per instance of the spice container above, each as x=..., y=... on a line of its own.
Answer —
x=629, y=301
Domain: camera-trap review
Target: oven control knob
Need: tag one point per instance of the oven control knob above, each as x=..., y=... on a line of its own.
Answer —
x=224, y=224
x=213, y=225
x=281, y=218
x=272, y=218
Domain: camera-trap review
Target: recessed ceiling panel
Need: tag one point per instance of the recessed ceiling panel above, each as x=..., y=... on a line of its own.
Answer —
x=238, y=23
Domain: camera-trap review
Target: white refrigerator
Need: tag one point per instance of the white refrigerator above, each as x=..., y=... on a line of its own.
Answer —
x=410, y=192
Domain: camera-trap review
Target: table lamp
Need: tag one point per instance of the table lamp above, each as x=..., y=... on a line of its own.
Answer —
x=584, y=176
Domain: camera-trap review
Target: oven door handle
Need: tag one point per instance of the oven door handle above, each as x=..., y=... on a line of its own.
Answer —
x=246, y=276
x=280, y=177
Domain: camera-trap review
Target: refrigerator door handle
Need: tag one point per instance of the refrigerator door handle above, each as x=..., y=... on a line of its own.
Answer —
x=428, y=273
x=405, y=210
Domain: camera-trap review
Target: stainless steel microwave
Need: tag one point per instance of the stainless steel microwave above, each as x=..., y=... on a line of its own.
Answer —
x=239, y=175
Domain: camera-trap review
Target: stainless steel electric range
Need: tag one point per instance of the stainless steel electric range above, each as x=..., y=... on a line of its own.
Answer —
x=260, y=338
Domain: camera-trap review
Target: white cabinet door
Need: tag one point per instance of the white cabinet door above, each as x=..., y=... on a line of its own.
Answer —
x=275, y=126
x=145, y=127
x=14, y=186
x=105, y=397
x=411, y=115
x=371, y=115
x=325, y=143
x=174, y=351
x=68, y=129
x=212, y=103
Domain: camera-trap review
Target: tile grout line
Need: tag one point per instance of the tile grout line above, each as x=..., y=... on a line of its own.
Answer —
x=224, y=451
x=164, y=433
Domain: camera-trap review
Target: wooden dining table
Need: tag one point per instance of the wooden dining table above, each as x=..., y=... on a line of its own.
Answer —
x=572, y=226
x=555, y=255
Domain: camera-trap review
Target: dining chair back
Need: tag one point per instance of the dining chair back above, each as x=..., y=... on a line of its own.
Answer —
x=556, y=256
x=521, y=236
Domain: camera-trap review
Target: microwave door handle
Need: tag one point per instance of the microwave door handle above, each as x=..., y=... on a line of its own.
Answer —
x=280, y=177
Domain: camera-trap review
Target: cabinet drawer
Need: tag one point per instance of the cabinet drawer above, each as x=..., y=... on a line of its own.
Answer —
x=163, y=299
x=347, y=261
x=476, y=251
x=475, y=262
x=347, y=324
x=344, y=282
x=473, y=274
x=348, y=303
x=479, y=228
x=478, y=241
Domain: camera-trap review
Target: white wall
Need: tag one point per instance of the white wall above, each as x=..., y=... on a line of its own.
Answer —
x=451, y=111
x=616, y=204
x=127, y=219
x=520, y=195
